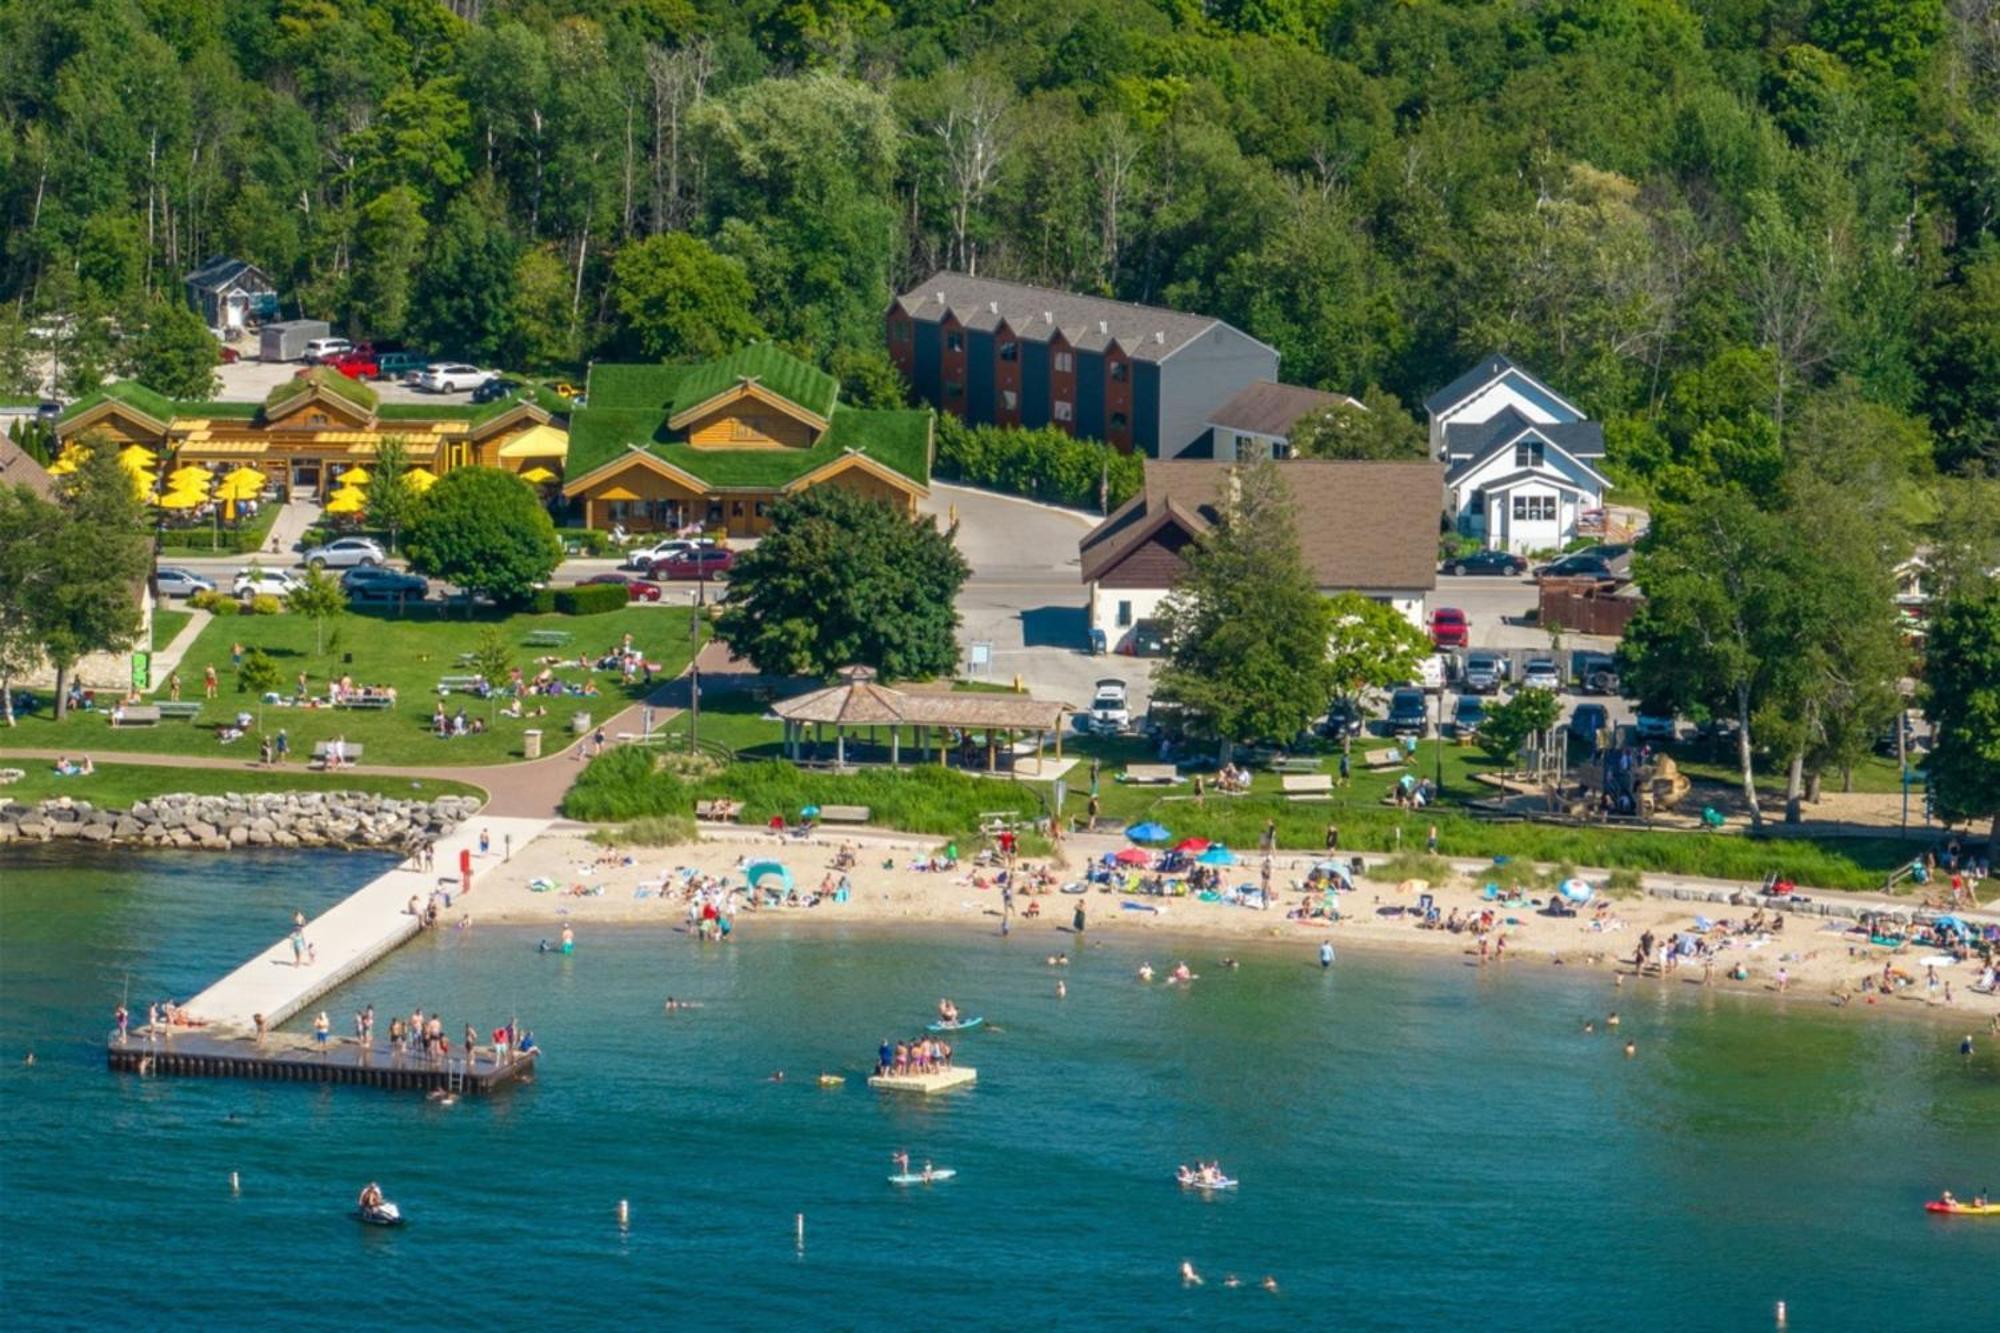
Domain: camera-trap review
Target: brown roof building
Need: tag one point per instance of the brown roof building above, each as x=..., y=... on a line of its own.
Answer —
x=18, y=468
x=1363, y=527
x=1257, y=423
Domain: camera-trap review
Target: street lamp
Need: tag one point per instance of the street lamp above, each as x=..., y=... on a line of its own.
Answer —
x=1440, y=745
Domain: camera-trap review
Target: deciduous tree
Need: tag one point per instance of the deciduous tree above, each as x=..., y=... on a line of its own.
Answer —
x=1962, y=701
x=679, y=300
x=318, y=597
x=484, y=531
x=1376, y=427
x=93, y=564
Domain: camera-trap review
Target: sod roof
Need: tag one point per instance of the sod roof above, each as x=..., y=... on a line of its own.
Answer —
x=332, y=381
x=128, y=392
x=776, y=371
x=898, y=439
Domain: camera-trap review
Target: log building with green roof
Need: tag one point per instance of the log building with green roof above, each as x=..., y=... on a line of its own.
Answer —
x=713, y=445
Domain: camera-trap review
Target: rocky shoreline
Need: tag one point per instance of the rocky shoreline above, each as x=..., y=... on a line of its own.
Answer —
x=223, y=823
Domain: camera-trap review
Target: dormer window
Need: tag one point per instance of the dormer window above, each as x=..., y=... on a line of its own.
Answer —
x=1118, y=372
x=954, y=341
x=1528, y=453
x=1010, y=351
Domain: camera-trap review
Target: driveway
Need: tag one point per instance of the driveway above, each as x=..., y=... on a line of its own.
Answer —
x=1026, y=597
x=252, y=380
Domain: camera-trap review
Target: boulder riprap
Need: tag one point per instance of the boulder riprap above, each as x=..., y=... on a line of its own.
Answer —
x=270, y=819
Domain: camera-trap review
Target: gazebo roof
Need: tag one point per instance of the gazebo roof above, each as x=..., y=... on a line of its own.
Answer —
x=859, y=701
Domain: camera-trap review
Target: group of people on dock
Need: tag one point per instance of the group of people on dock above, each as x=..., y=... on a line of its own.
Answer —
x=925, y=1055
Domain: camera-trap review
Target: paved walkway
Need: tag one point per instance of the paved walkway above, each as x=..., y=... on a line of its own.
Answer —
x=352, y=934
x=167, y=660
x=289, y=528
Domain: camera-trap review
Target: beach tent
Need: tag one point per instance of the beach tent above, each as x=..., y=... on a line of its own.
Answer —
x=1217, y=855
x=1148, y=832
x=758, y=871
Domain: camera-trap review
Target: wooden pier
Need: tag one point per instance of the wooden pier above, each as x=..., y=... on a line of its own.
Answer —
x=943, y=1080
x=288, y=1058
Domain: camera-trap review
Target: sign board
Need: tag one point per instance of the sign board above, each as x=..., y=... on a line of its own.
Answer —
x=142, y=672
x=979, y=657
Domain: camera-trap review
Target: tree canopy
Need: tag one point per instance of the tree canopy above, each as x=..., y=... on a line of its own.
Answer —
x=1375, y=426
x=1962, y=701
x=483, y=530
x=842, y=580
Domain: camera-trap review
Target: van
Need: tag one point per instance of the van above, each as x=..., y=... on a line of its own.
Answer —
x=319, y=350
x=1431, y=673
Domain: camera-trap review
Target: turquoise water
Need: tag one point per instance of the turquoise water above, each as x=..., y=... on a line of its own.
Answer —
x=1420, y=1144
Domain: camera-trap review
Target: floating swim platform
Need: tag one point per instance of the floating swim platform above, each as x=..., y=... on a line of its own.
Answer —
x=963, y=1025
x=917, y=1177
x=943, y=1080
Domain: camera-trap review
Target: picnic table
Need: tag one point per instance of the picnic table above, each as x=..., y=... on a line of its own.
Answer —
x=1308, y=786
x=136, y=715
x=364, y=701
x=1295, y=763
x=350, y=751
x=548, y=638
x=1390, y=758
x=446, y=684
x=1146, y=775
x=183, y=708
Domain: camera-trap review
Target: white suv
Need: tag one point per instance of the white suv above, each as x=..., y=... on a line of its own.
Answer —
x=346, y=553
x=257, y=580
x=642, y=557
x=1110, y=712
x=452, y=376
x=319, y=350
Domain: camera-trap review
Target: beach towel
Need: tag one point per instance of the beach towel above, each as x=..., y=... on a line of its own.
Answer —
x=541, y=885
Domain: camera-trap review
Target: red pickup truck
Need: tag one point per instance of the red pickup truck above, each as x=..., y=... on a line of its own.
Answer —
x=358, y=365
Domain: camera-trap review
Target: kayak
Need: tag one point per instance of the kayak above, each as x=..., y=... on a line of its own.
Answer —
x=917, y=1177
x=1193, y=1183
x=1963, y=1209
x=381, y=1215
x=961, y=1025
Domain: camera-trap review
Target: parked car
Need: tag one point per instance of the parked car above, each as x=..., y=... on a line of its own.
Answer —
x=182, y=582
x=1467, y=714
x=495, y=389
x=256, y=579
x=1147, y=639
x=1656, y=725
x=229, y=356
x=1450, y=628
x=322, y=350
x=345, y=553
x=1431, y=674
x=703, y=563
x=644, y=557
x=453, y=376
x=357, y=365
x=1596, y=673
x=1343, y=718
x=375, y=582
x=1588, y=722
x=1409, y=712
x=399, y=364
x=1110, y=710
x=1487, y=562
x=635, y=589
x=1485, y=671
x=1885, y=744
x=1541, y=673
x=1577, y=566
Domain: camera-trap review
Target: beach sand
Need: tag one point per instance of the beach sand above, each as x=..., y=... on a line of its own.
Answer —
x=1823, y=959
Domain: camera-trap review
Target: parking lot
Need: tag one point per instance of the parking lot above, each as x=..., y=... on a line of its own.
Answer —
x=251, y=380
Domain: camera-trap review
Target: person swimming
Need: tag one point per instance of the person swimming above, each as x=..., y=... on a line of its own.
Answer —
x=371, y=1196
x=1188, y=1275
x=1145, y=971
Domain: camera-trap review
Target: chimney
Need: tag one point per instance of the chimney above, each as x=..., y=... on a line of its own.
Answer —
x=1160, y=337
x=941, y=300
x=1104, y=326
x=993, y=306
x=1048, y=316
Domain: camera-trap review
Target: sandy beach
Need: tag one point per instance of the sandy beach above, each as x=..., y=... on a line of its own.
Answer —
x=1823, y=959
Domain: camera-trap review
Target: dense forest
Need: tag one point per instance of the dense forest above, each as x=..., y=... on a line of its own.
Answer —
x=1716, y=223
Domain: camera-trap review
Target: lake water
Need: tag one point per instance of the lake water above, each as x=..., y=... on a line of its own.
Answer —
x=1420, y=1144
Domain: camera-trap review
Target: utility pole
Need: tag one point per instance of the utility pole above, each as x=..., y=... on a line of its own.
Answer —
x=694, y=674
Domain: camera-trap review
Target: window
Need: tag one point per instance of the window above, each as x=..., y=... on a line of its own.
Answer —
x=715, y=511
x=1124, y=613
x=1118, y=372
x=1009, y=399
x=1010, y=351
x=1528, y=453
x=900, y=331
x=1118, y=421
x=1535, y=508
x=1062, y=409
x=954, y=389
x=1065, y=363
x=760, y=509
x=736, y=509
x=954, y=342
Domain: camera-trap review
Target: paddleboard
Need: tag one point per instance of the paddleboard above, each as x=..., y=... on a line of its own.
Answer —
x=917, y=1177
x=960, y=1026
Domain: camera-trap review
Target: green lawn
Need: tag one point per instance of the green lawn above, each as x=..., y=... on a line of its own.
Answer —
x=377, y=648
x=118, y=785
x=166, y=624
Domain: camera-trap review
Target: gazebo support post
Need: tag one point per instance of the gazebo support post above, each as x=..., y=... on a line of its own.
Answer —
x=895, y=746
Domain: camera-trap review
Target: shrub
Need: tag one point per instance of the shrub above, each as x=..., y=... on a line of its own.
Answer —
x=590, y=540
x=1433, y=870
x=206, y=600
x=541, y=602
x=265, y=604
x=223, y=605
x=652, y=831
x=1044, y=464
x=591, y=599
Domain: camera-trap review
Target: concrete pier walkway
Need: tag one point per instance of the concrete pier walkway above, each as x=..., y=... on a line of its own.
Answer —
x=353, y=934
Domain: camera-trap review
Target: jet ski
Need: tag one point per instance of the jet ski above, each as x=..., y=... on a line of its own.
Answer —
x=383, y=1214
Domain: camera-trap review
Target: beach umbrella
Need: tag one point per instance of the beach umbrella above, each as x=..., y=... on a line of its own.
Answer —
x=1132, y=856
x=66, y=464
x=420, y=479
x=354, y=476
x=245, y=484
x=137, y=456
x=1192, y=846
x=808, y=812
x=189, y=472
x=182, y=499
x=1576, y=891
x=1148, y=832
x=346, y=501
x=1217, y=855
x=758, y=871
x=538, y=475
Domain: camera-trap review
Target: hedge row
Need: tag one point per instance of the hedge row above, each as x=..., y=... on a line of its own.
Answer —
x=587, y=599
x=1043, y=464
x=208, y=539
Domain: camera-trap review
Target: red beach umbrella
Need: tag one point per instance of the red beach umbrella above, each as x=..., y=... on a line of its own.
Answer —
x=1134, y=856
x=1192, y=846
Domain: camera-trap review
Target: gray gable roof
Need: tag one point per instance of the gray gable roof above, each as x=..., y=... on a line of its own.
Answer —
x=1036, y=314
x=222, y=272
x=1562, y=437
x=1491, y=367
x=1268, y=408
x=1465, y=440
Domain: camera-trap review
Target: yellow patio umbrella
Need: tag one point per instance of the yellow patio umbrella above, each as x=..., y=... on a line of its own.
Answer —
x=66, y=464
x=182, y=500
x=420, y=479
x=244, y=485
x=347, y=500
x=190, y=479
x=355, y=476
x=538, y=475
x=137, y=455
x=348, y=493
x=186, y=470
x=144, y=483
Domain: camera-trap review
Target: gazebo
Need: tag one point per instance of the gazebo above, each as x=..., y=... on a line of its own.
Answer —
x=858, y=701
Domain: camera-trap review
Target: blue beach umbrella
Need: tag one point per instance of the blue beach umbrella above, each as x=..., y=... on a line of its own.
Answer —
x=1577, y=891
x=1148, y=832
x=809, y=812
x=1217, y=855
x=761, y=870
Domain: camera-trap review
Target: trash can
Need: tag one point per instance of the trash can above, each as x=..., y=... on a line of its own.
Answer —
x=531, y=743
x=579, y=723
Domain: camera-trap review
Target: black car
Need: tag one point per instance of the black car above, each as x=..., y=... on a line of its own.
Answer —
x=1467, y=715
x=494, y=390
x=1576, y=567
x=1149, y=639
x=1505, y=563
x=376, y=583
x=1409, y=712
x=1343, y=718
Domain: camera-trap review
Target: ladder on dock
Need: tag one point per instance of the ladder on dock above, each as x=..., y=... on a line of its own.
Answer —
x=454, y=1077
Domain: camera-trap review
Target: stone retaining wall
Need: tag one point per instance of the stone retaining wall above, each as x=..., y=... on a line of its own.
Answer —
x=219, y=823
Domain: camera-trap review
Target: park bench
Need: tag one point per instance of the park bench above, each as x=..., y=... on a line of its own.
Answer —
x=1308, y=786
x=350, y=752
x=446, y=684
x=183, y=708
x=641, y=737
x=1295, y=763
x=721, y=810
x=843, y=814
x=366, y=701
x=1148, y=775
x=1390, y=758
x=136, y=715
x=548, y=638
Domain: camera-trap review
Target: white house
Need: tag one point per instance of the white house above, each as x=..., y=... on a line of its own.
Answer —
x=1363, y=527
x=1522, y=462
